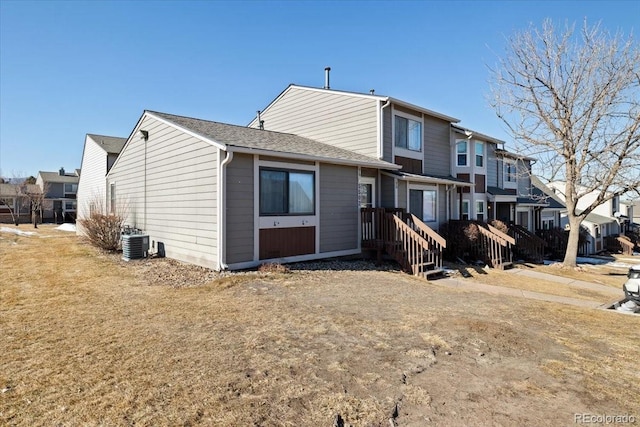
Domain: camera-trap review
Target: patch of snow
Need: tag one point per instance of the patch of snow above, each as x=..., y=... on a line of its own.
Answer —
x=17, y=231
x=67, y=227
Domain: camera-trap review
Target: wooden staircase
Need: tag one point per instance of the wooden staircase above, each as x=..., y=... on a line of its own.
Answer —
x=415, y=246
x=528, y=246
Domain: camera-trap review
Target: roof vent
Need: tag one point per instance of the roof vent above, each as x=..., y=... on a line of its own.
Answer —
x=372, y=91
x=61, y=171
x=326, y=77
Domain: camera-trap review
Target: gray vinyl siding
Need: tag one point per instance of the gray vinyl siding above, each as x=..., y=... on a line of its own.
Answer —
x=92, y=185
x=181, y=191
x=337, y=119
x=493, y=167
x=387, y=135
x=339, y=210
x=437, y=148
x=402, y=195
x=387, y=193
x=524, y=180
x=371, y=173
x=55, y=190
x=239, y=209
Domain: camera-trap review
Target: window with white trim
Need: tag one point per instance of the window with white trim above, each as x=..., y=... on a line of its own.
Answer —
x=408, y=133
x=510, y=172
x=112, y=198
x=461, y=153
x=479, y=147
x=286, y=192
x=465, y=210
x=422, y=203
x=480, y=210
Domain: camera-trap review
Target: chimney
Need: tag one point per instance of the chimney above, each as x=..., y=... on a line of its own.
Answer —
x=61, y=171
x=260, y=122
x=326, y=77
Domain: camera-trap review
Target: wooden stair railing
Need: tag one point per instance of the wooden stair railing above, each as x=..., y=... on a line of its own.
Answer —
x=437, y=243
x=620, y=243
x=527, y=244
x=408, y=248
x=497, y=246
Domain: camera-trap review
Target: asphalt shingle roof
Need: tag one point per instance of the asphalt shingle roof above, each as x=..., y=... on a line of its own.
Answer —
x=56, y=177
x=276, y=142
x=110, y=144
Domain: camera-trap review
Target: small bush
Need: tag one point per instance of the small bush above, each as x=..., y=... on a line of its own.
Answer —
x=103, y=231
x=500, y=226
x=471, y=232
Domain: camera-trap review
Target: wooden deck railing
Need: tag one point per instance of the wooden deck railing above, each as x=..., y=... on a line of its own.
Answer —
x=528, y=245
x=557, y=240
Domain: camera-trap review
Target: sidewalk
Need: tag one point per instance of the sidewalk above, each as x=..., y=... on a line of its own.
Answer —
x=525, y=274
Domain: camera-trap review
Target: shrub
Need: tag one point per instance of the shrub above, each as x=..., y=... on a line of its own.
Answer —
x=102, y=230
x=273, y=267
x=500, y=226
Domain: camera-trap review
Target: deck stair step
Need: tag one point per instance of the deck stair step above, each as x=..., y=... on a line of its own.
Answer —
x=437, y=273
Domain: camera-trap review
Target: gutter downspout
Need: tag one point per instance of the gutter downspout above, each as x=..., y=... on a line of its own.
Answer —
x=222, y=197
x=381, y=128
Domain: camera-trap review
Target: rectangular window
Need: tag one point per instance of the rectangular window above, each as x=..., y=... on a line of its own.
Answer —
x=365, y=194
x=465, y=210
x=286, y=192
x=480, y=154
x=480, y=210
x=408, y=134
x=461, y=152
x=112, y=198
x=510, y=172
x=422, y=203
x=71, y=188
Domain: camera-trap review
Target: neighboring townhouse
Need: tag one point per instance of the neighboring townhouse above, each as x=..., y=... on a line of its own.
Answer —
x=551, y=214
x=389, y=129
x=14, y=203
x=604, y=221
x=448, y=172
x=99, y=154
x=225, y=196
x=60, y=199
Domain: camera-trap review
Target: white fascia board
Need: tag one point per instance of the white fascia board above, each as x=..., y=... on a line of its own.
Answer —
x=286, y=155
x=476, y=135
x=428, y=179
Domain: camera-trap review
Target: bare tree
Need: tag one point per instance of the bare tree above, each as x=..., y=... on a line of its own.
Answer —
x=572, y=100
x=103, y=226
x=35, y=199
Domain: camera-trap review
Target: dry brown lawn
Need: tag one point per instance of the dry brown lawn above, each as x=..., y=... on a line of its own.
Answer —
x=90, y=340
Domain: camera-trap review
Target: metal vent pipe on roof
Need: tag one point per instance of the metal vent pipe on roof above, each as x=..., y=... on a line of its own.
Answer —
x=260, y=122
x=326, y=77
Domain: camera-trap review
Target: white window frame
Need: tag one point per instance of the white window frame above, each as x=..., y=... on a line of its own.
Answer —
x=507, y=163
x=422, y=187
x=404, y=152
x=370, y=181
x=112, y=197
x=465, y=207
x=466, y=153
x=481, y=203
x=482, y=154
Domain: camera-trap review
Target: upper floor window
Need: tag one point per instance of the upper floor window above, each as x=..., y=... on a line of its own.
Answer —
x=614, y=205
x=480, y=154
x=286, y=192
x=408, y=134
x=510, y=172
x=71, y=188
x=461, y=153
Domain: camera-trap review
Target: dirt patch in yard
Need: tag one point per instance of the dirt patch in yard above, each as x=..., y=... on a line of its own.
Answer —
x=91, y=340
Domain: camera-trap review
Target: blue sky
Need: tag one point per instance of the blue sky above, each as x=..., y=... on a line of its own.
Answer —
x=72, y=68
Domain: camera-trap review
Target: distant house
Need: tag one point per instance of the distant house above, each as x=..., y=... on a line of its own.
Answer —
x=604, y=221
x=99, y=154
x=14, y=205
x=225, y=196
x=60, y=194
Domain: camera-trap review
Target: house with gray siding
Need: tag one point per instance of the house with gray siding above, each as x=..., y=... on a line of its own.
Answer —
x=391, y=130
x=225, y=196
x=60, y=194
x=98, y=155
